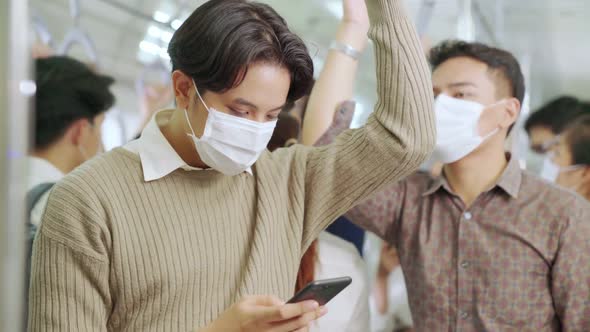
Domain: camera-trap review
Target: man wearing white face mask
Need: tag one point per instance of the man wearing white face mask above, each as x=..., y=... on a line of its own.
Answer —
x=485, y=246
x=568, y=164
x=195, y=226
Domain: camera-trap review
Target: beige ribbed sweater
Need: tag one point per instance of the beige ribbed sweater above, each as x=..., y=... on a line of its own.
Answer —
x=115, y=253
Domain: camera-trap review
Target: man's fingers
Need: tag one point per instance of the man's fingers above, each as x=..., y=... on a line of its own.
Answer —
x=267, y=300
x=294, y=310
x=299, y=323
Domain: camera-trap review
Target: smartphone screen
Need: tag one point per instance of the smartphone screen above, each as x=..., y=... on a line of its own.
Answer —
x=321, y=291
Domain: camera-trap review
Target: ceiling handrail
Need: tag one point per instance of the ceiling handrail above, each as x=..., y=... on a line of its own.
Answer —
x=77, y=36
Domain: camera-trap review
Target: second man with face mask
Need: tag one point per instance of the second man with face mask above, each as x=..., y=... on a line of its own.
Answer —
x=485, y=246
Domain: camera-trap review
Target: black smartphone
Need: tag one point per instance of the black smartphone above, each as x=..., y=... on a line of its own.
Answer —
x=321, y=291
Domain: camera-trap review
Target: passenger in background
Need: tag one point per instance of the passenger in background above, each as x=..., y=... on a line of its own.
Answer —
x=329, y=257
x=389, y=307
x=152, y=98
x=485, y=246
x=570, y=159
x=70, y=106
x=550, y=120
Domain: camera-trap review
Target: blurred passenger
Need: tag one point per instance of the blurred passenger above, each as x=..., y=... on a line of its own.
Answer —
x=70, y=106
x=485, y=246
x=390, y=310
x=570, y=159
x=329, y=257
x=550, y=120
x=153, y=98
x=189, y=226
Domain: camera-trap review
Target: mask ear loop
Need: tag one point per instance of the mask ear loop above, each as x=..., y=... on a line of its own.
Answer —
x=186, y=111
x=495, y=131
x=199, y=95
x=189, y=123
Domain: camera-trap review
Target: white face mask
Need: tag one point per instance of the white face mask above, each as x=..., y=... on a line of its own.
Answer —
x=229, y=143
x=551, y=170
x=457, y=123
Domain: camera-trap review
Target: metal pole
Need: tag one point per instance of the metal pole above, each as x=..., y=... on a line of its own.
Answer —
x=465, y=23
x=424, y=16
x=485, y=23
x=15, y=90
x=499, y=24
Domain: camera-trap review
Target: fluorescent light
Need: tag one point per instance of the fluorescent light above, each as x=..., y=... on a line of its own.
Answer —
x=176, y=24
x=161, y=17
x=335, y=8
x=166, y=36
x=154, y=31
x=149, y=47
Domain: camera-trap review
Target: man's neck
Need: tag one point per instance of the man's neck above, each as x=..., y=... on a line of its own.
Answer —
x=175, y=131
x=476, y=173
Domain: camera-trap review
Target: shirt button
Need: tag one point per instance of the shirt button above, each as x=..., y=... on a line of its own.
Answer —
x=464, y=314
x=467, y=215
x=465, y=264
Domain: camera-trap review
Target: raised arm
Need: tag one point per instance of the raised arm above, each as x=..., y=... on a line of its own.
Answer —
x=336, y=81
x=398, y=136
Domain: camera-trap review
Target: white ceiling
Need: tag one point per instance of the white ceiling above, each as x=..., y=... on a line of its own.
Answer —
x=550, y=35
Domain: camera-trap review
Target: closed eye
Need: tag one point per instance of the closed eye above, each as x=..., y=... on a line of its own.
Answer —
x=238, y=113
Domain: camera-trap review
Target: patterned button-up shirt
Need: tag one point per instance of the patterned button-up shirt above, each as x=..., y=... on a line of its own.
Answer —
x=518, y=259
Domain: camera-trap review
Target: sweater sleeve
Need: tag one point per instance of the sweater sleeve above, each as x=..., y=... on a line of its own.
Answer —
x=69, y=288
x=397, y=137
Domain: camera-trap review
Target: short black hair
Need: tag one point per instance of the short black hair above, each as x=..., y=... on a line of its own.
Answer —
x=67, y=91
x=221, y=38
x=557, y=114
x=497, y=60
x=577, y=137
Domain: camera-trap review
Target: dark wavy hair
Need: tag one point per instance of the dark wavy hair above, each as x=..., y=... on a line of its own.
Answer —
x=221, y=38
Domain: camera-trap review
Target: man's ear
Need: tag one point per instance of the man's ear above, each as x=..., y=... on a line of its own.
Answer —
x=511, y=112
x=75, y=132
x=181, y=85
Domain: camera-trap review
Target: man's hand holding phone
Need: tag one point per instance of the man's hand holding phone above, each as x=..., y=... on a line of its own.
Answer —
x=267, y=314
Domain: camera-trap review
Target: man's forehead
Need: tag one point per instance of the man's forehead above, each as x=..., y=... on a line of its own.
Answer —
x=464, y=72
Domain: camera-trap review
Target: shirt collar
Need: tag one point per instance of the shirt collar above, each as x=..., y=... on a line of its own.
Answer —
x=509, y=181
x=157, y=156
x=511, y=178
x=42, y=171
